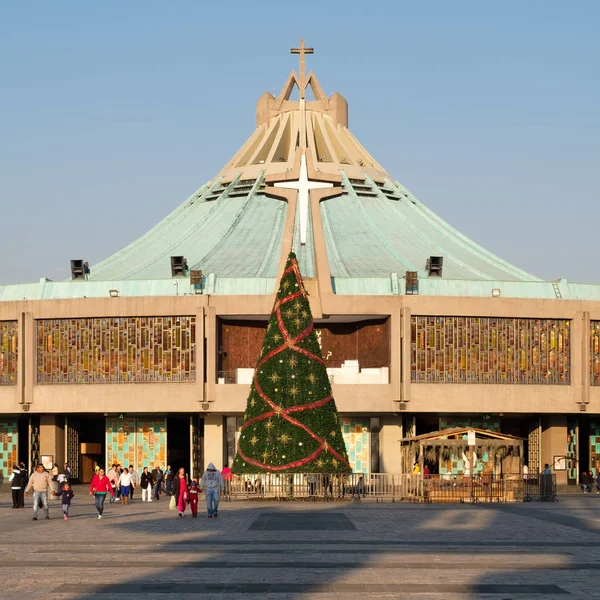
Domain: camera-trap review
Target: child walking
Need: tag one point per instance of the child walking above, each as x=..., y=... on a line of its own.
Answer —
x=193, y=493
x=66, y=496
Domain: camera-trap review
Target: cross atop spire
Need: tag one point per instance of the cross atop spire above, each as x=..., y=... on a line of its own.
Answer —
x=302, y=51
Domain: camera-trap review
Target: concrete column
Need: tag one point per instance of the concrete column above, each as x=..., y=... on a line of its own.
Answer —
x=396, y=354
x=231, y=435
x=52, y=437
x=390, y=435
x=28, y=351
x=585, y=357
x=554, y=443
x=200, y=358
x=406, y=350
x=214, y=440
x=210, y=333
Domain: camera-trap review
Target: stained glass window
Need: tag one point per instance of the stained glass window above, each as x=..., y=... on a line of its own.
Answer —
x=116, y=350
x=595, y=352
x=8, y=352
x=490, y=350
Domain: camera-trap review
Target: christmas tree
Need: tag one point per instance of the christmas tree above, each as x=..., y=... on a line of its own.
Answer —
x=291, y=422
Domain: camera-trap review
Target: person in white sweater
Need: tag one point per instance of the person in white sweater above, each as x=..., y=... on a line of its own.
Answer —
x=125, y=485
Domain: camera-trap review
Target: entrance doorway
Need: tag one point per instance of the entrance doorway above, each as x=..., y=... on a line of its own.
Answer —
x=178, y=443
x=92, y=439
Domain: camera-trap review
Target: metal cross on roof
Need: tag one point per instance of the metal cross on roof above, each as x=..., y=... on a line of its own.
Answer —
x=302, y=51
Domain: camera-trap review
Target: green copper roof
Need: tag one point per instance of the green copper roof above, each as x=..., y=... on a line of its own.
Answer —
x=230, y=230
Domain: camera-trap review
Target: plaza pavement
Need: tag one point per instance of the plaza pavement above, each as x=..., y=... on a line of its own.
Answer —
x=303, y=551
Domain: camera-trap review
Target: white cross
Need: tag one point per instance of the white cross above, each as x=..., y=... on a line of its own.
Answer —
x=303, y=185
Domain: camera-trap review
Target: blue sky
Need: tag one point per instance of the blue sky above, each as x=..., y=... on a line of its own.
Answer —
x=112, y=113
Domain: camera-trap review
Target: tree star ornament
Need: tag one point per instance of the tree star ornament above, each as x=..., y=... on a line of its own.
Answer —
x=287, y=414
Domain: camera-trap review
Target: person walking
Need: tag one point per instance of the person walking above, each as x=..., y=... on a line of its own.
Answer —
x=227, y=478
x=15, y=486
x=99, y=487
x=194, y=495
x=169, y=480
x=180, y=491
x=146, y=485
x=135, y=480
x=212, y=484
x=125, y=485
x=66, y=497
x=55, y=486
x=157, y=478
x=584, y=482
x=40, y=483
x=67, y=471
x=113, y=477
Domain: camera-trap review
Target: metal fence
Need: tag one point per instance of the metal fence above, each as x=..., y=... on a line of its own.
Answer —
x=319, y=486
x=392, y=487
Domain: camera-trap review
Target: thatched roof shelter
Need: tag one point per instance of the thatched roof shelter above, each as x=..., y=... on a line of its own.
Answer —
x=473, y=442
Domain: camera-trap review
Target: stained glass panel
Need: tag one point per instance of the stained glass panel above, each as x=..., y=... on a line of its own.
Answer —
x=490, y=350
x=595, y=352
x=8, y=352
x=116, y=350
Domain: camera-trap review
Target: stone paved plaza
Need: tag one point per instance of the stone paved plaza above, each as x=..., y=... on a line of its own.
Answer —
x=304, y=551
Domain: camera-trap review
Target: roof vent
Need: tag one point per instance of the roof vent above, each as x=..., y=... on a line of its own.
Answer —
x=79, y=269
x=434, y=266
x=178, y=266
x=195, y=277
x=412, y=282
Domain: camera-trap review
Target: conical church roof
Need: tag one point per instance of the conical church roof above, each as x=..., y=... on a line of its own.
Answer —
x=234, y=225
x=238, y=226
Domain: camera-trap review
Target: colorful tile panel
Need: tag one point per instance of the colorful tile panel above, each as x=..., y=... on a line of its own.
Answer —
x=9, y=331
x=137, y=442
x=9, y=447
x=595, y=448
x=120, y=442
x=490, y=350
x=116, y=350
x=358, y=443
x=151, y=443
x=595, y=352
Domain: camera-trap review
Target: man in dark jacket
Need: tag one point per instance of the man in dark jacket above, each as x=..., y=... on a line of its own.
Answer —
x=146, y=485
x=15, y=486
x=157, y=477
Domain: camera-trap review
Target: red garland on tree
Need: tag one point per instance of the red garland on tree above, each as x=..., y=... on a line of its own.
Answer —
x=291, y=421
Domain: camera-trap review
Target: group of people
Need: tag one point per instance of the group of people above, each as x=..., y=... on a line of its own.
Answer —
x=42, y=484
x=125, y=480
x=121, y=483
x=587, y=482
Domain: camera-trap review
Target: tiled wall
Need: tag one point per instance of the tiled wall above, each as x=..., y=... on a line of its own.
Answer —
x=358, y=443
x=137, y=442
x=9, y=447
x=595, y=447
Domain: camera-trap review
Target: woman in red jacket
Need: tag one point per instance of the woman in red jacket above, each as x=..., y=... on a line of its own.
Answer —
x=99, y=487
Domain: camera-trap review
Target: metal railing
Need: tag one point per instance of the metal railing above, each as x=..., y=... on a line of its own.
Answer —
x=391, y=487
x=319, y=486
